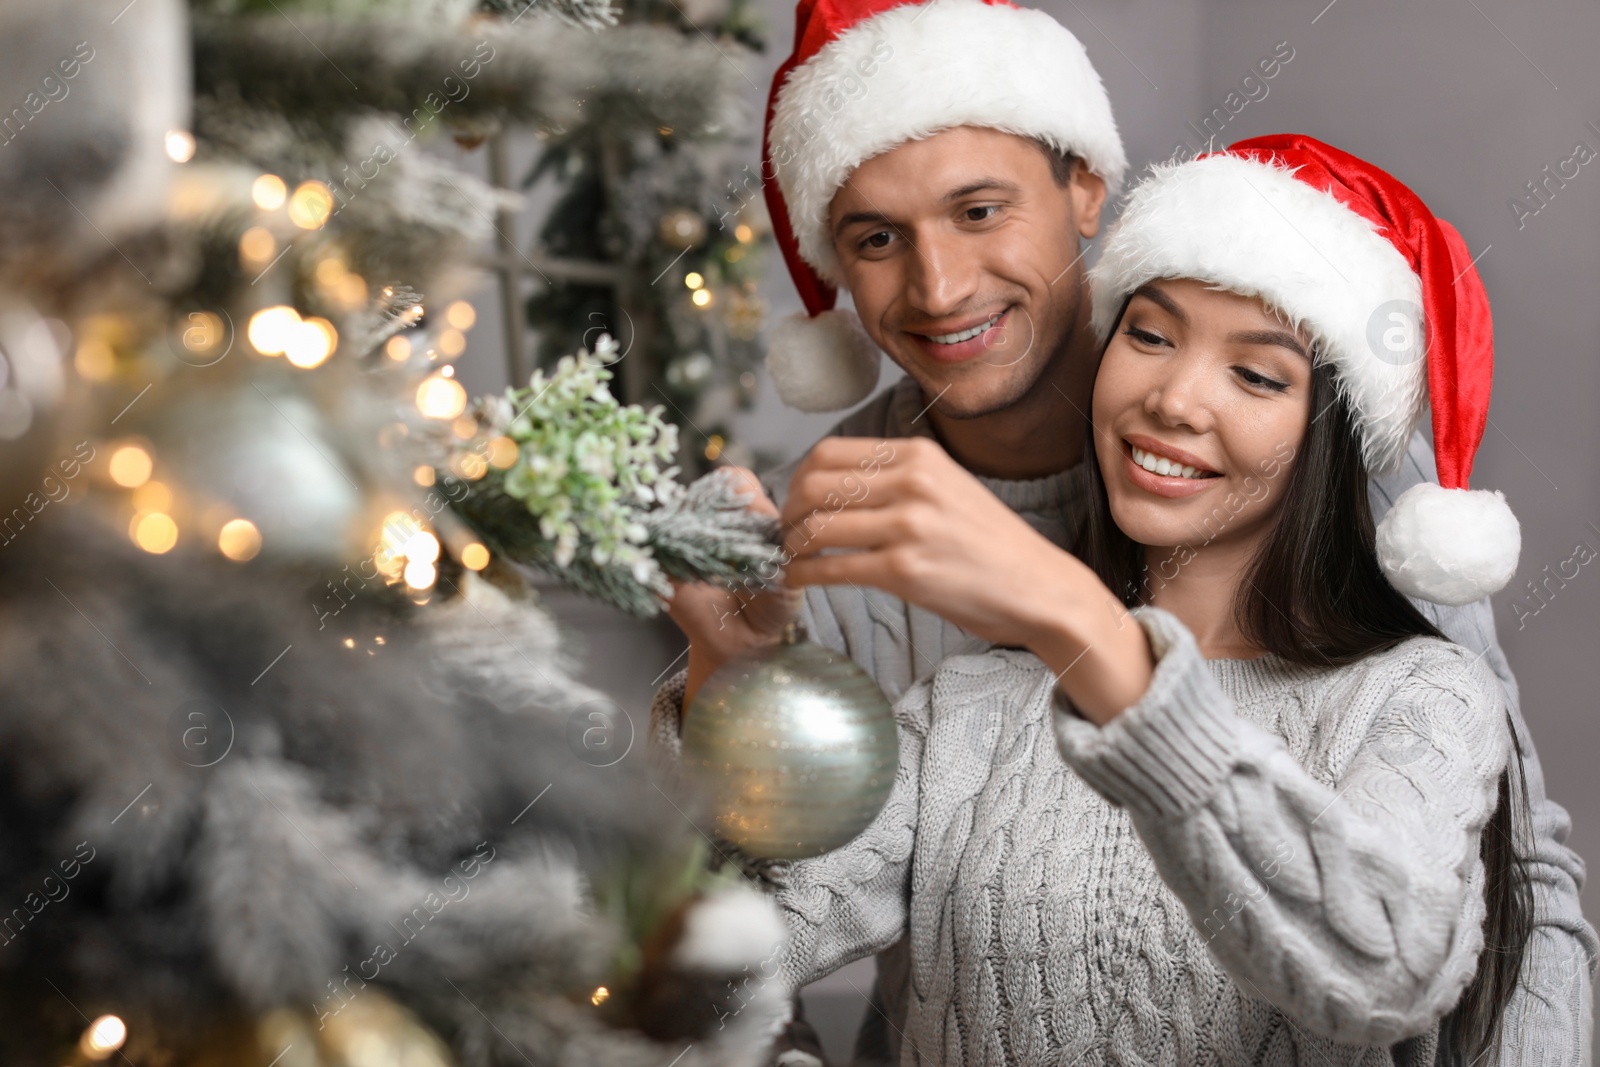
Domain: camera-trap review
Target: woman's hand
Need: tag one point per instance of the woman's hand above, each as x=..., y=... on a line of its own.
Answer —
x=922, y=527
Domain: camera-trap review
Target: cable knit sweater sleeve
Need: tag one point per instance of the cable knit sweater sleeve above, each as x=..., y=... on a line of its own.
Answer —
x=1357, y=908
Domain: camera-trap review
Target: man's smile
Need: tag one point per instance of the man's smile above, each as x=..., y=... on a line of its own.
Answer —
x=957, y=341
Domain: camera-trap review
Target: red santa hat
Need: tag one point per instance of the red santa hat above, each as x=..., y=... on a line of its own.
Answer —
x=868, y=75
x=1392, y=299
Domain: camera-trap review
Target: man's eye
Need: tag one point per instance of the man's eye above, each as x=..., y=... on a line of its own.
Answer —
x=980, y=214
x=880, y=239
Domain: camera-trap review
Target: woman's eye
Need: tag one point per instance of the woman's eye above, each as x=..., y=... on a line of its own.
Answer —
x=1144, y=337
x=981, y=214
x=1260, y=381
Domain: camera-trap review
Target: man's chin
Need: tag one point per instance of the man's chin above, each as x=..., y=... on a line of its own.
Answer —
x=976, y=389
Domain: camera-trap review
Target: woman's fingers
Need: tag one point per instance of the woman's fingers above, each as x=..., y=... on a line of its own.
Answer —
x=872, y=528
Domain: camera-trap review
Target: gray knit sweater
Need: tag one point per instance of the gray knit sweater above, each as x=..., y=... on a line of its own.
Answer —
x=899, y=643
x=1256, y=864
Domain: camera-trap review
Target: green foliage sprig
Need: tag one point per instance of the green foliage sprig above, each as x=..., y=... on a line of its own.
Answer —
x=592, y=498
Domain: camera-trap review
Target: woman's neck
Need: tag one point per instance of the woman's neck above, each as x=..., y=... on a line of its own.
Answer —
x=1200, y=585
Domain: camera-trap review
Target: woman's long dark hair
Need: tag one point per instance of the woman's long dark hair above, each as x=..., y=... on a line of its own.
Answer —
x=1315, y=595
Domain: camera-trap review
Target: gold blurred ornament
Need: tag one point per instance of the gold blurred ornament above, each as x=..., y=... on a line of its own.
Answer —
x=794, y=746
x=682, y=228
x=745, y=313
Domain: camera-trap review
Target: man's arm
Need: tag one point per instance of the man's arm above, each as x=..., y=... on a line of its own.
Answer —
x=1549, y=1020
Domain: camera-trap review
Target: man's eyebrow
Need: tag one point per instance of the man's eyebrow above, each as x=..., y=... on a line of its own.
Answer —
x=1267, y=337
x=876, y=218
x=1162, y=300
x=981, y=185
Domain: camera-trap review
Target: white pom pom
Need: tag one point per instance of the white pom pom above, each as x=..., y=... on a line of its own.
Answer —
x=825, y=363
x=1450, y=546
x=729, y=930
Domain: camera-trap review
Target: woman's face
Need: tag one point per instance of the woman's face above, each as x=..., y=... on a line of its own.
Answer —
x=1200, y=406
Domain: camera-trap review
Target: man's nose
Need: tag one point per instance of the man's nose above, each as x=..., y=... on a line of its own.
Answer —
x=939, y=279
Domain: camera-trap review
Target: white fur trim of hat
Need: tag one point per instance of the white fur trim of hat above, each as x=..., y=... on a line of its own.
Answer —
x=917, y=69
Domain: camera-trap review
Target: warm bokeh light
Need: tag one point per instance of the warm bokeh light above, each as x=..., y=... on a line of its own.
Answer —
x=130, y=466
x=269, y=192
x=693, y=279
x=202, y=331
x=714, y=446
x=461, y=315
x=239, y=540
x=701, y=298
x=470, y=466
x=441, y=398
x=180, y=146
x=94, y=361
x=152, y=496
x=743, y=234
x=271, y=330
x=599, y=996
x=103, y=1037
x=452, y=342
x=398, y=349
x=422, y=546
x=465, y=427
x=311, y=343
x=423, y=476
x=420, y=574
x=257, y=246
x=502, y=452
x=311, y=205
x=474, y=557
x=155, y=532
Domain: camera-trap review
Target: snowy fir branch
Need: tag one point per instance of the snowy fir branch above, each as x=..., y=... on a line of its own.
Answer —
x=584, y=496
x=323, y=70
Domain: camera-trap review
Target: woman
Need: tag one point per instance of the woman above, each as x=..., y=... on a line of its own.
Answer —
x=1273, y=820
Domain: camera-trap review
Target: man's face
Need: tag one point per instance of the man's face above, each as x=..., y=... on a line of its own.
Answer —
x=960, y=252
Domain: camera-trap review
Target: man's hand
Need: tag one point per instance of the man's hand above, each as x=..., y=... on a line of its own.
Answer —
x=722, y=623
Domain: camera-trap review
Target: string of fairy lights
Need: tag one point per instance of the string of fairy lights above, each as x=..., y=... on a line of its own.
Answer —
x=337, y=304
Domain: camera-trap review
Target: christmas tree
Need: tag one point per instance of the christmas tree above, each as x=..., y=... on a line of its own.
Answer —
x=293, y=770
x=655, y=237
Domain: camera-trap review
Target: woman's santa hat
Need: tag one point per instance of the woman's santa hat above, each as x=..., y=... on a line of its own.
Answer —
x=868, y=75
x=1390, y=295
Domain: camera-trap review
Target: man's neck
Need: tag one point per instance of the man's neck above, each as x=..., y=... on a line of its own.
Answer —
x=1042, y=433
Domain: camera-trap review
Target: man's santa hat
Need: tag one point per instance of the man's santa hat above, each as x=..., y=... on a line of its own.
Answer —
x=868, y=75
x=1392, y=300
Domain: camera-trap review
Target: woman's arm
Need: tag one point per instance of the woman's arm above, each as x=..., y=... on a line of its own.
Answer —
x=1356, y=909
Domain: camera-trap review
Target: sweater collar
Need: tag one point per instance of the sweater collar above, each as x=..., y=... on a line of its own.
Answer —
x=1056, y=492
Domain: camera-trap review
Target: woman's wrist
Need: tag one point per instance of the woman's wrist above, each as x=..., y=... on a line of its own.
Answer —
x=1096, y=648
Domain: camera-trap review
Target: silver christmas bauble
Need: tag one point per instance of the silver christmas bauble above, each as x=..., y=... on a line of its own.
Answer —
x=794, y=747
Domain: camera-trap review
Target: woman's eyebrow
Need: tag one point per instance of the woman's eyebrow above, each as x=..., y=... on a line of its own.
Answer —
x=1163, y=301
x=1267, y=337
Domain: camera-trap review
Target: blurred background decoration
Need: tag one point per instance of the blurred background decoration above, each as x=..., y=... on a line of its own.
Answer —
x=234, y=282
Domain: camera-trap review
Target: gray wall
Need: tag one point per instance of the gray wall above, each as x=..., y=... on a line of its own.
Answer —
x=1464, y=100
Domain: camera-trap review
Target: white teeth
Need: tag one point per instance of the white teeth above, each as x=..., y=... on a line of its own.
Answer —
x=1162, y=465
x=964, y=335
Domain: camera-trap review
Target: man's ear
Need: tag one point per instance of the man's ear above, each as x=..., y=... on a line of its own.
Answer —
x=1088, y=192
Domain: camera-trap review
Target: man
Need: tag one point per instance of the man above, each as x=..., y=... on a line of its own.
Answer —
x=941, y=163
